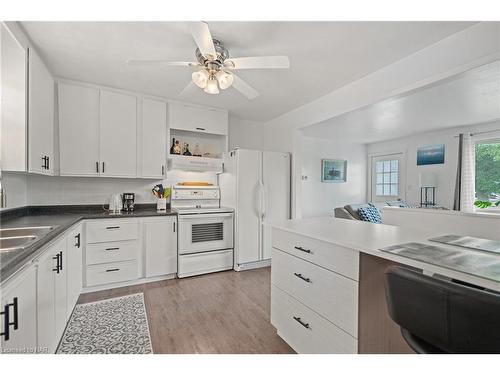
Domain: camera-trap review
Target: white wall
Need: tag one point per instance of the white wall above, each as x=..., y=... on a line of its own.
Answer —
x=245, y=134
x=15, y=188
x=446, y=172
x=46, y=190
x=318, y=198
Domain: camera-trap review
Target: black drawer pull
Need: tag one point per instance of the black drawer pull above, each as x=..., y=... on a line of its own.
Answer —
x=60, y=260
x=113, y=270
x=306, y=279
x=306, y=325
x=112, y=248
x=115, y=227
x=200, y=128
x=78, y=237
x=302, y=249
x=7, y=323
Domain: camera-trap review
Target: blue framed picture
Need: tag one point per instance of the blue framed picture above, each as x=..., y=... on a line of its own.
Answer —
x=430, y=155
x=333, y=170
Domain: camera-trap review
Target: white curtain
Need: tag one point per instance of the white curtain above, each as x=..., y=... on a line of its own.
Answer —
x=467, y=194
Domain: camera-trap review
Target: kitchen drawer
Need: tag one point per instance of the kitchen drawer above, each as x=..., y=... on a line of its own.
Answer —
x=331, y=295
x=199, y=263
x=315, y=336
x=112, y=230
x=336, y=258
x=112, y=252
x=111, y=273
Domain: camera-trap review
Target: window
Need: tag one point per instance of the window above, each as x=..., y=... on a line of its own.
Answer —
x=386, y=173
x=487, y=183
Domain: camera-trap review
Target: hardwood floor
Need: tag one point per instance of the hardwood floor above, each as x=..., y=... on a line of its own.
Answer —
x=225, y=312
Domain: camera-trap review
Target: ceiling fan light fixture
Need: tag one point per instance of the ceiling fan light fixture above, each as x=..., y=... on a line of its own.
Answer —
x=200, y=78
x=225, y=79
x=212, y=86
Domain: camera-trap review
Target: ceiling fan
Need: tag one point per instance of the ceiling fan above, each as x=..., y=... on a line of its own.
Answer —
x=214, y=69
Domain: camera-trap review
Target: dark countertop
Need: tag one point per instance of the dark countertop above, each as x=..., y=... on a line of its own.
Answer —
x=61, y=218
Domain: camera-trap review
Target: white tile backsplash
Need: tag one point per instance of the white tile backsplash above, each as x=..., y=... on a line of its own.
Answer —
x=46, y=190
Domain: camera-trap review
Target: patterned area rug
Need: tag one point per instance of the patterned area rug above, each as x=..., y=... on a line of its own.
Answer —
x=112, y=326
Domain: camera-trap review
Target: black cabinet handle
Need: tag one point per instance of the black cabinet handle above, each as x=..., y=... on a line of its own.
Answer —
x=112, y=248
x=114, y=227
x=306, y=325
x=78, y=237
x=97, y=166
x=57, y=269
x=102, y=167
x=113, y=270
x=200, y=129
x=174, y=226
x=306, y=279
x=162, y=170
x=302, y=249
x=60, y=260
x=44, y=165
x=48, y=162
x=7, y=323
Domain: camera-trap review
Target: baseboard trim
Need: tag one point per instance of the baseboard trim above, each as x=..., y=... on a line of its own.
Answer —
x=142, y=280
x=252, y=265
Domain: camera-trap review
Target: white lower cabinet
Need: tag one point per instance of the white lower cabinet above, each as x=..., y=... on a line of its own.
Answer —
x=160, y=245
x=18, y=314
x=74, y=246
x=314, y=300
x=52, y=296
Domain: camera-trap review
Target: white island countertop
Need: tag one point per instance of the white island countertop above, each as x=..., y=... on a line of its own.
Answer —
x=370, y=238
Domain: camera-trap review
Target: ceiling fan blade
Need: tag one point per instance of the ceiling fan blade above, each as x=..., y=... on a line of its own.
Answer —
x=190, y=87
x=244, y=87
x=261, y=62
x=141, y=62
x=203, y=39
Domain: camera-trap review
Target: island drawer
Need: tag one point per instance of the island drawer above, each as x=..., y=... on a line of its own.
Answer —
x=107, y=252
x=336, y=258
x=111, y=273
x=331, y=295
x=112, y=230
x=306, y=331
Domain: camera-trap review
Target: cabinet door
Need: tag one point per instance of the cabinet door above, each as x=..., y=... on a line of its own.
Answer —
x=61, y=292
x=197, y=119
x=46, y=301
x=19, y=296
x=78, y=130
x=161, y=246
x=40, y=116
x=74, y=243
x=118, y=138
x=154, y=138
x=13, y=103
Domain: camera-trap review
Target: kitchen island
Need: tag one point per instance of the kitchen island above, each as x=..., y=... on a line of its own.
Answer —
x=328, y=282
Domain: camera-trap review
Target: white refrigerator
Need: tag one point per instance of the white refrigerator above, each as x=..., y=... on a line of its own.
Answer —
x=256, y=184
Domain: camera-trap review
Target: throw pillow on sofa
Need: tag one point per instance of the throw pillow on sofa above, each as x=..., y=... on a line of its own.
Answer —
x=370, y=214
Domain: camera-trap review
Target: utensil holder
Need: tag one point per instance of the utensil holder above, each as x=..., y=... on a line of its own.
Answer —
x=161, y=205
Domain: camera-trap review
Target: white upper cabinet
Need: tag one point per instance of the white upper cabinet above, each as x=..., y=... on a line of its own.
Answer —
x=78, y=130
x=13, y=103
x=118, y=134
x=154, y=138
x=40, y=116
x=197, y=119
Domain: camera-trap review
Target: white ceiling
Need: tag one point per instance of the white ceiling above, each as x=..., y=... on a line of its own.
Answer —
x=323, y=56
x=469, y=98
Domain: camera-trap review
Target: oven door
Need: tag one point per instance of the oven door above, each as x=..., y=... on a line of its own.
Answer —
x=205, y=232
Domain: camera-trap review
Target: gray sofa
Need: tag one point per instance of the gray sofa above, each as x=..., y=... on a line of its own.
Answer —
x=350, y=211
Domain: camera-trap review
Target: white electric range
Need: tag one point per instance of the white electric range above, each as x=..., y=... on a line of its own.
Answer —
x=205, y=242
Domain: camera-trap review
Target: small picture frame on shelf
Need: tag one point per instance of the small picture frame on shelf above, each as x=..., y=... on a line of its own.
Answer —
x=333, y=170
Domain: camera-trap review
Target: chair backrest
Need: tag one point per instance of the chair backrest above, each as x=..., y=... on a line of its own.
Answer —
x=453, y=317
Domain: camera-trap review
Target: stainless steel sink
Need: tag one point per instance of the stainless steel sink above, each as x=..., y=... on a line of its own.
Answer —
x=9, y=244
x=14, y=239
x=25, y=231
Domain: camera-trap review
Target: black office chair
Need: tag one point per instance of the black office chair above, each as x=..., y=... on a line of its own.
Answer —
x=440, y=316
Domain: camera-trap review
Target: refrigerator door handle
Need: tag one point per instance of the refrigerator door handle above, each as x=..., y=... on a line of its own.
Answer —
x=263, y=203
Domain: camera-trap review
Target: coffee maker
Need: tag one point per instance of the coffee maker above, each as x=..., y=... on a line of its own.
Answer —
x=128, y=202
